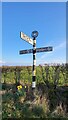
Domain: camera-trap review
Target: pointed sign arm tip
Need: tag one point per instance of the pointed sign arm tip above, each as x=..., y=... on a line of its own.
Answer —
x=26, y=38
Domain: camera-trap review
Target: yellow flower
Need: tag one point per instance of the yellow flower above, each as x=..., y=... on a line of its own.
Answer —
x=25, y=86
x=19, y=87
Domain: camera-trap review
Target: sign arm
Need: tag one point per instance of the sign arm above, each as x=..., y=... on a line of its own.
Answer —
x=26, y=38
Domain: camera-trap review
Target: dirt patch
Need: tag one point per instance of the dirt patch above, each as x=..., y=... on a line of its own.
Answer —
x=2, y=92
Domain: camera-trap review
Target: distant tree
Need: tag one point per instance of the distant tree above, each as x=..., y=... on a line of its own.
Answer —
x=0, y=73
x=42, y=71
x=38, y=75
x=56, y=75
x=29, y=73
x=15, y=74
x=47, y=76
x=4, y=71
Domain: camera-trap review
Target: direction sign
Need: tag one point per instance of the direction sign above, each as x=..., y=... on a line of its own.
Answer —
x=26, y=51
x=43, y=49
x=26, y=38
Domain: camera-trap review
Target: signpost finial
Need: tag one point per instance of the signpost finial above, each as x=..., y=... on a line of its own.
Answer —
x=34, y=34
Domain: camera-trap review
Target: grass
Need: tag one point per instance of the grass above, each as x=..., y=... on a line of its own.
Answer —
x=46, y=104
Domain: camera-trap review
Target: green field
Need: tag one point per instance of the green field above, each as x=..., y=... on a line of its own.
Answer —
x=49, y=100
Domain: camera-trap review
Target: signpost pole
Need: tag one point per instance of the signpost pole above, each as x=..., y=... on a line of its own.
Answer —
x=34, y=35
x=34, y=64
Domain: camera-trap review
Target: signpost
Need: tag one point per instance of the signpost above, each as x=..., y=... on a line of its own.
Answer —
x=34, y=51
